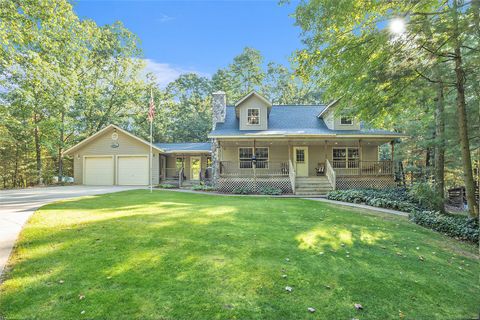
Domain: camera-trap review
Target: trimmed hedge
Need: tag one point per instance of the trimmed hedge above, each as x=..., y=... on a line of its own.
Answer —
x=167, y=186
x=420, y=212
x=462, y=228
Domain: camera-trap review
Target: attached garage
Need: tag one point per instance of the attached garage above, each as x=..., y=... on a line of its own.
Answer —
x=132, y=170
x=99, y=170
x=114, y=156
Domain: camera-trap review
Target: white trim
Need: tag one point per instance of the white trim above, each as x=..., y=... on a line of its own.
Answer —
x=150, y=172
x=255, y=94
x=93, y=136
x=188, y=151
x=98, y=156
x=314, y=135
x=258, y=117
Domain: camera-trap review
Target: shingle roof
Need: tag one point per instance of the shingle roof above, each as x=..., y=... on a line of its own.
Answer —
x=188, y=146
x=289, y=120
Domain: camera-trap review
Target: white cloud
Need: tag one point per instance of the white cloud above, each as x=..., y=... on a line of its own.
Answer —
x=166, y=73
x=164, y=18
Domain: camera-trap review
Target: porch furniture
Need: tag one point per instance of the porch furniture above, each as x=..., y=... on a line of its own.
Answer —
x=320, y=169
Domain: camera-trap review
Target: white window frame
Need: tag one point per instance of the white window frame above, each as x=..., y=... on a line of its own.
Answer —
x=346, y=156
x=249, y=117
x=349, y=121
x=240, y=159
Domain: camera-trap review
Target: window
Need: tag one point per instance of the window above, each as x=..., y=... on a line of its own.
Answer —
x=209, y=161
x=245, y=156
x=345, y=157
x=300, y=155
x=253, y=116
x=346, y=120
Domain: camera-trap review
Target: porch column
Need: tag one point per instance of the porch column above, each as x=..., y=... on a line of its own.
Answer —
x=254, y=167
x=392, y=144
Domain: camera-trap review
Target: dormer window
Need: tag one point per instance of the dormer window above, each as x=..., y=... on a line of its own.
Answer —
x=253, y=116
x=346, y=120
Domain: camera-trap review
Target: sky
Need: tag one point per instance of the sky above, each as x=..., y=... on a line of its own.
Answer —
x=199, y=36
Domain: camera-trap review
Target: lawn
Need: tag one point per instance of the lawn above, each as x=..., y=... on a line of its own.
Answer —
x=169, y=255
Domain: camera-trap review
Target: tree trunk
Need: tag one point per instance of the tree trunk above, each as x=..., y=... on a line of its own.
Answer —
x=440, y=144
x=462, y=119
x=38, y=150
x=60, y=148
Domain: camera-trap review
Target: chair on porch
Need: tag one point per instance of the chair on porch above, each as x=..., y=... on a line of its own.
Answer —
x=320, y=169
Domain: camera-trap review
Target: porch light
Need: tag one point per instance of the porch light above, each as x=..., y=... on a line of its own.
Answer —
x=254, y=159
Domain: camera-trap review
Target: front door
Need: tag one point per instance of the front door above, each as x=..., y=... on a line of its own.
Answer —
x=195, y=168
x=300, y=159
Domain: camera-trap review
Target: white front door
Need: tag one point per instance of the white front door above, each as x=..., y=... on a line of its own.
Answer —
x=195, y=168
x=300, y=158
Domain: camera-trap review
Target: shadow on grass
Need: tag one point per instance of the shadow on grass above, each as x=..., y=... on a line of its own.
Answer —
x=183, y=256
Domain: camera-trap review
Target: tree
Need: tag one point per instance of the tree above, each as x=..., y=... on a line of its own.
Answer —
x=378, y=73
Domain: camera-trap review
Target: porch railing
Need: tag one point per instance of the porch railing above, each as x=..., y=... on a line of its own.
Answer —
x=291, y=174
x=362, y=168
x=330, y=173
x=246, y=168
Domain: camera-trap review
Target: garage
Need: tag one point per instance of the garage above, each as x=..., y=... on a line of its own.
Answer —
x=132, y=170
x=98, y=170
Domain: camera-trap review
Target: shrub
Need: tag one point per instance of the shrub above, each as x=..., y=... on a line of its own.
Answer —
x=459, y=227
x=424, y=193
x=242, y=190
x=270, y=191
x=167, y=186
x=203, y=187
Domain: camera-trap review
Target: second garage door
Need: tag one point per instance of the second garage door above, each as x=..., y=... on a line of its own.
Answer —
x=98, y=170
x=132, y=170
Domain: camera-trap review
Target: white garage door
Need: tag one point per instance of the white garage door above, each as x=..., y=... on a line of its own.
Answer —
x=133, y=170
x=98, y=171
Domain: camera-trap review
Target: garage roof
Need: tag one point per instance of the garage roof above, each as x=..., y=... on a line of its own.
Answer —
x=111, y=126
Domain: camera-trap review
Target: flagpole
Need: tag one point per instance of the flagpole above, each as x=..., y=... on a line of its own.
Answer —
x=151, y=155
x=151, y=160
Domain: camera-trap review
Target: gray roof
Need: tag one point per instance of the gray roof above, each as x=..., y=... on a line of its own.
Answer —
x=290, y=120
x=188, y=146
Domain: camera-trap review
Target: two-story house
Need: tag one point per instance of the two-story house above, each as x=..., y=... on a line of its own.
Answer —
x=301, y=149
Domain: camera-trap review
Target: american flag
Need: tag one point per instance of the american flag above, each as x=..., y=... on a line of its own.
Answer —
x=151, y=109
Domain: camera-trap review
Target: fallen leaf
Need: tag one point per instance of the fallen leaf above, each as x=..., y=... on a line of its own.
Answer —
x=421, y=258
x=289, y=289
x=286, y=259
x=284, y=276
x=358, y=306
x=83, y=312
x=81, y=297
x=311, y=310
x=61, y=281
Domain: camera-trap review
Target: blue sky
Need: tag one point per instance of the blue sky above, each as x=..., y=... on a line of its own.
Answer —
x=200, y=36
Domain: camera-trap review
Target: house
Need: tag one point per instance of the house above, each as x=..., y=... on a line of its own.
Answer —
x=300, y=149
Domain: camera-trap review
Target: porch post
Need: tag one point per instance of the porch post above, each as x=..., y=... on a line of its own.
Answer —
x=392, y=144
x=254, y=167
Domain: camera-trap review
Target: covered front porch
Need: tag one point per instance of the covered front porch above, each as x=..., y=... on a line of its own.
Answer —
x=185, y=163
x=342, y=163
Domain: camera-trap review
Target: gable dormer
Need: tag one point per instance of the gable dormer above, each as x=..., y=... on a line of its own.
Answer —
x=252, y=112
x=337, y=121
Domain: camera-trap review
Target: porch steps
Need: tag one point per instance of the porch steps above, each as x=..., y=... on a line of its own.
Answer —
x=312, y=186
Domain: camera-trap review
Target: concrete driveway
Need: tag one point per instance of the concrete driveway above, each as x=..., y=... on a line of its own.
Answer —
x=16, y=206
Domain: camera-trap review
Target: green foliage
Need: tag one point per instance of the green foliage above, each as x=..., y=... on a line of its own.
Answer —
x=167, y=186
x=424, y=193
x=394, y=198
x=270, y=191
x=463, y=228
x=203, y=187
x=242, y=190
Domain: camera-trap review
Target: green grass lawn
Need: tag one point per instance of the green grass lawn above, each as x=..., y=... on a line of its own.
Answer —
x=169, y=255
